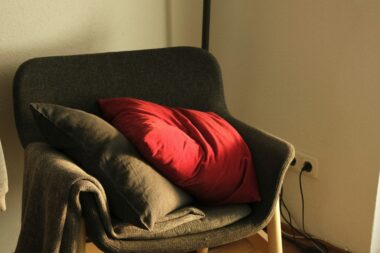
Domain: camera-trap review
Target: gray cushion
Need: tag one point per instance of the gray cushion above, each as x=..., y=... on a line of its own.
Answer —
x=136, y=192
x=216, y=217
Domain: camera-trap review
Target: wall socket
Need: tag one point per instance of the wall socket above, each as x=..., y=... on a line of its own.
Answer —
x=301, y=158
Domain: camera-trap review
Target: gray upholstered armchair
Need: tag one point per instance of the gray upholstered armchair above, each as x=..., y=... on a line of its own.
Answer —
x=182, y=76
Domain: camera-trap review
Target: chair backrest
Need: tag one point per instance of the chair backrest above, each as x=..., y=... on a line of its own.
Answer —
x=180, y=76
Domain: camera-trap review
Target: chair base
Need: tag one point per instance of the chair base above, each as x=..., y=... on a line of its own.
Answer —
x=272, y=237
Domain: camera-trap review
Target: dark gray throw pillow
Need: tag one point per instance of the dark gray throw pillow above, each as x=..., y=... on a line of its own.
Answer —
x=136, y=192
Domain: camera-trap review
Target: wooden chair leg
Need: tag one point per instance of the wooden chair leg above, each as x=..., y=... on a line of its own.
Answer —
x=274, y=232
x=202, y=250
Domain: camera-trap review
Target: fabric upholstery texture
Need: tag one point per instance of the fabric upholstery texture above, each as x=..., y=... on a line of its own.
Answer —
x=215, y=217
x=198, y=151
x=179, y=77
x=136, y=192
x=49, y=171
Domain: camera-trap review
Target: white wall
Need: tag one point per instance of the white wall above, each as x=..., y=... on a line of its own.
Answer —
x=40, y=28
x=305, y=70
x=308, y=71
x=185, y=23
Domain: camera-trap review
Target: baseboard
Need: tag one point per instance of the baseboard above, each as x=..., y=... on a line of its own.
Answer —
x=332, y=248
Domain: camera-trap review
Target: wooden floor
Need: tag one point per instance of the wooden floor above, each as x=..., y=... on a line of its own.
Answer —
x=254, y=244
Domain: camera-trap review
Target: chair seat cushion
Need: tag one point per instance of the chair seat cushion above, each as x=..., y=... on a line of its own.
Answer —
x=215, y=217
x=136, y=192
x=199, y=151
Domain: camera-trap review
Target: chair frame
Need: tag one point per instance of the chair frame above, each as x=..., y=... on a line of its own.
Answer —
x=272, y=236
x=191, y=71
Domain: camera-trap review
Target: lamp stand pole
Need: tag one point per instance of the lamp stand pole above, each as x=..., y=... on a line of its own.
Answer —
x=206, y=24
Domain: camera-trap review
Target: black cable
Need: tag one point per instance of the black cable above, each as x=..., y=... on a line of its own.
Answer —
x=292, y=239
x=305, y=235
x=298, y=245
x=282, y=203
x=302, y=201
x=289, y=222
x=321, y=247
x=304, y=168
x=294, y=229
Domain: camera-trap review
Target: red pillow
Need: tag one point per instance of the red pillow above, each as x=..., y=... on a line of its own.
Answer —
x=198, y=151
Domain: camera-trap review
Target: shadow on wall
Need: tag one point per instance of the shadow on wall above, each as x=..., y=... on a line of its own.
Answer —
x=77, y=44
x=168, y=21
x=231, y=41
x=183, y=23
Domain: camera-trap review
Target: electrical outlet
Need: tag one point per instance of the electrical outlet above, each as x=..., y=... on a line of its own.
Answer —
x=301, y=158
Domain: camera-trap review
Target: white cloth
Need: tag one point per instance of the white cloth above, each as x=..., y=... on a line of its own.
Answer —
x=3, y=180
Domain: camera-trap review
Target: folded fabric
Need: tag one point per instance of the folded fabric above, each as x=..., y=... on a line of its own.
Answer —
x=215, y=217
x=199, y=151
x=3, y=180
x=51, y=210
x=136, y=192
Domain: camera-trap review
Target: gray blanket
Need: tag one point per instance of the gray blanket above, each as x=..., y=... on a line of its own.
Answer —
x=51, y=210
x=50, y=202
x=3, y=180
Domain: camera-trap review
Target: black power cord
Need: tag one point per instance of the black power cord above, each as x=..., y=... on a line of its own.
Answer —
x=306, y=167
x=319, y=247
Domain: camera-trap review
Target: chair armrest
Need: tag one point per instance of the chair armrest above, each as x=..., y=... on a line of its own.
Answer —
x=271, y=158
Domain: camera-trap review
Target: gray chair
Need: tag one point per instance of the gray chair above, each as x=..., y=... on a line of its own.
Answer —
x=181, y=76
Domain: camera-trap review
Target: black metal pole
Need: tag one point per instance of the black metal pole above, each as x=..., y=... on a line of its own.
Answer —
x=206, y=24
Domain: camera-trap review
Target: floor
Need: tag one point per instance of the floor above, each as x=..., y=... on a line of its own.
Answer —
x=254, y=244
